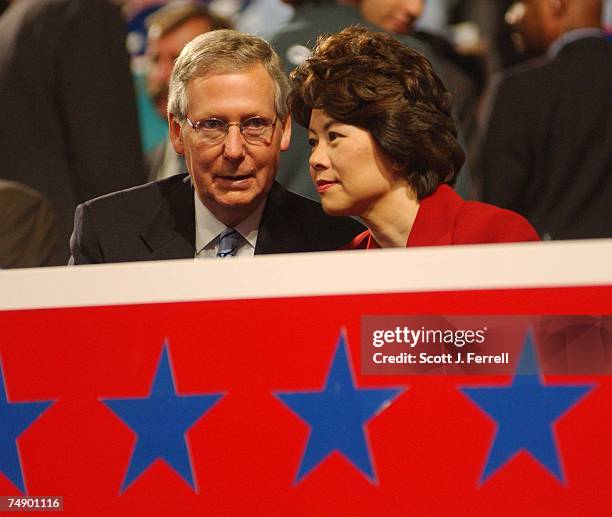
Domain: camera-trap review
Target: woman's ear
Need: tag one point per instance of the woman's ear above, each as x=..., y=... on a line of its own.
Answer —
x=397, y=166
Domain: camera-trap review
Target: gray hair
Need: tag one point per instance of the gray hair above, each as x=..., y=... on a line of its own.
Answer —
x=219, y=52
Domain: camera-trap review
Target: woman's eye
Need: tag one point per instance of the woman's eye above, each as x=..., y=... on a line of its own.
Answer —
x=312, y=142
x=332, y=136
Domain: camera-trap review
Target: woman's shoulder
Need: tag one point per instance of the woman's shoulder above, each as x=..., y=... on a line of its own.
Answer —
x=481, y=222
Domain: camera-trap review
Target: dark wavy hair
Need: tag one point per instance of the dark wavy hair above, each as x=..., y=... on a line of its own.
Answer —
x=371, y=80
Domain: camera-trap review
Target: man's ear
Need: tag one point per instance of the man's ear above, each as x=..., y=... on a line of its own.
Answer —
x=286, y=136
x=175, y=130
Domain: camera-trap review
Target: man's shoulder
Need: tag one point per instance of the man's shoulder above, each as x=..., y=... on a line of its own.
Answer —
x=136, y=197
x=588, y=57
x=520, y=86
x=530, y=72
x=134, y=208
x=153, y=221
x=592, y=47
x=523, y=74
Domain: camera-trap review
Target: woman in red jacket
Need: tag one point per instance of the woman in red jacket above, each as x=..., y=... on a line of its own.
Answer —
x=384, y=146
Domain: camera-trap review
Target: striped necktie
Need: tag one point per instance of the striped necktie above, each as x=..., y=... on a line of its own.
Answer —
x=228, y=243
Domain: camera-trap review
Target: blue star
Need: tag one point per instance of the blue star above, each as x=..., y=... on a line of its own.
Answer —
x=15, y=418
x=337, y=416
x=160, y=422
x=525, y=413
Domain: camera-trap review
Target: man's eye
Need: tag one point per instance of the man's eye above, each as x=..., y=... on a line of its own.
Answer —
x=255, y=123
x=212, y=124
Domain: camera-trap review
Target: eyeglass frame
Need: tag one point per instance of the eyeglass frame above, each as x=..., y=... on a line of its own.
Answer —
x=195, y=126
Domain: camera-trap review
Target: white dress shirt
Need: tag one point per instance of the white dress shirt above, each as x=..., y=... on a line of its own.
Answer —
x=208, y=228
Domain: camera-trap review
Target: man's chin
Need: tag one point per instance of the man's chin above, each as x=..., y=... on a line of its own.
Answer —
x=233, y=207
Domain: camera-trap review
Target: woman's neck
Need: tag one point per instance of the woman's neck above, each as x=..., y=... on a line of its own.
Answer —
x=391, y=218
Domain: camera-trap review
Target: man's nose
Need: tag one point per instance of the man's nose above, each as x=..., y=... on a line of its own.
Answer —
x=234, y=144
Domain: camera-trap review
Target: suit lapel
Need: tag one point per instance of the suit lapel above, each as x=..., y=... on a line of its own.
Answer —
x=277, y=233
x=171, y=233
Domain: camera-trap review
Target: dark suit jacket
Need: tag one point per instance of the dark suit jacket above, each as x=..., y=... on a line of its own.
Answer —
x=69, y=124
x=156, y=221
x=444, y=218
x=547, y=150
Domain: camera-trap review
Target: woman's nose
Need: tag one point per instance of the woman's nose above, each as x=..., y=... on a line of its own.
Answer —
x=318, y=158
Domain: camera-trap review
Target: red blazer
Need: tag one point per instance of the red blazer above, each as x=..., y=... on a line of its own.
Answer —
x=444, y=218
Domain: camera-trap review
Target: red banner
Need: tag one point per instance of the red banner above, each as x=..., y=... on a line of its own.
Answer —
x=260, y=406
x=428, y=448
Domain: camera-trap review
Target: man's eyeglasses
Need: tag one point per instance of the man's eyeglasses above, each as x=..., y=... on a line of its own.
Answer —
x=254, y=130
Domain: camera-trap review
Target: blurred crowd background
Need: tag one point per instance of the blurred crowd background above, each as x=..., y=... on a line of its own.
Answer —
x=83, y=87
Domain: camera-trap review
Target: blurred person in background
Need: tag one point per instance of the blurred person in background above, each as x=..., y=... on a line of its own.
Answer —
x=264, y=17
x=27, y=227
x=534, y=26
x=384, y=146
x=546, y=150
x=69, y=127
x=464, y=75
x=169, y=29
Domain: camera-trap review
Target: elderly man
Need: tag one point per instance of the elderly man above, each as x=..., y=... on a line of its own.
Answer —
x=228, y=118
x=546, y=149
x=169, y=29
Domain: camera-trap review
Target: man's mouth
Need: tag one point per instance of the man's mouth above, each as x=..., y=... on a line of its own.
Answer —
x=235, y=180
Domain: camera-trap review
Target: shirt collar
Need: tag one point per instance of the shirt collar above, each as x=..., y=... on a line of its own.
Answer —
x=570, y=37
x=208, y=227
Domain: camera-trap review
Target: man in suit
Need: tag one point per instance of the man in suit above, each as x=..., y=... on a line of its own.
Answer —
x=546, y=149
x=228, y=117
x=70, y=128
